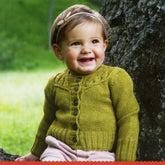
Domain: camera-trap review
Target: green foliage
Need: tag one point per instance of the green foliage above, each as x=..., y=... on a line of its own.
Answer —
x=8, y=52
x=96, y=2
x=25, y=24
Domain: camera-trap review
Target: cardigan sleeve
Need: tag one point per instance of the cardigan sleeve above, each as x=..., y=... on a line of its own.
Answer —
x=39, y=144
x=126, y=110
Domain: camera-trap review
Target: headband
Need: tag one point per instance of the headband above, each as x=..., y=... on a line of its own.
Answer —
x=69, y=16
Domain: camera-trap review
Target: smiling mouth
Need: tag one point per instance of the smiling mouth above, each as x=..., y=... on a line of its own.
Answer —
x=86, y=59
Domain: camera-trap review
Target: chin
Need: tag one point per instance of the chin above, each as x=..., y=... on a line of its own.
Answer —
x=87, y=72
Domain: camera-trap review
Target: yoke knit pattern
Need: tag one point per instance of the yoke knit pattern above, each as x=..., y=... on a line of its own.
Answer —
x=97, y=111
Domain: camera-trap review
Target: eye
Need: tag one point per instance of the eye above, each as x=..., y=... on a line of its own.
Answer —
x=75, y=44
x=95, y=41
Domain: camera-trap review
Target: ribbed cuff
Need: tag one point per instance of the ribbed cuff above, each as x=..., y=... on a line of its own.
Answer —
x=126, y=150
x=38, y=147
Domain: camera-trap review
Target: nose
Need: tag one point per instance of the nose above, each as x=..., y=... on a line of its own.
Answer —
x=86, y=49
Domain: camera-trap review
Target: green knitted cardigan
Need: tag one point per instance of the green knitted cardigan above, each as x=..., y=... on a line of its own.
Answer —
x=97, y=111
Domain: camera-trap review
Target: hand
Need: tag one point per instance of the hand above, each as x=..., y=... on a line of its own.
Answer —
x=28, y=157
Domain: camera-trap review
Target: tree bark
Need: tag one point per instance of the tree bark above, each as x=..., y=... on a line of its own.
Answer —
x=137, y=44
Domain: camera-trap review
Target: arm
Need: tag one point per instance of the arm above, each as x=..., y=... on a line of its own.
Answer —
x=126, y=109
x=49, y=115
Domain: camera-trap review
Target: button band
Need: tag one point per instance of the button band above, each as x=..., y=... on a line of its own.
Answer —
x=75, y=113
x=78, y=79
x=75, y=126
x=76, y=88
x=74, y=139
x=76, y=102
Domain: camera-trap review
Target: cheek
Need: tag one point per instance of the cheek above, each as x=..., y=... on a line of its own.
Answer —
x=72, y=54
x=102, y=57
x=100, y=53
x=69, y=59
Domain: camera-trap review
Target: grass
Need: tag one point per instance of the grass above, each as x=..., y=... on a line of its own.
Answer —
x=22, y=95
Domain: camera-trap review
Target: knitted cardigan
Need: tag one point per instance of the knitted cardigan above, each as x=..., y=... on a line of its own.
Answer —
x=97, y=111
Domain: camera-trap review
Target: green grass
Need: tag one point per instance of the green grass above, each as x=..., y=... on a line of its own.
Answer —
x=22, y=95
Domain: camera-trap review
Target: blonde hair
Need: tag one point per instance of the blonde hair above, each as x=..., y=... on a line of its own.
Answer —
x=73, y=16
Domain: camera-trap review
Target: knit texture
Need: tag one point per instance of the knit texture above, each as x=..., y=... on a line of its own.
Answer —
x=91, y=112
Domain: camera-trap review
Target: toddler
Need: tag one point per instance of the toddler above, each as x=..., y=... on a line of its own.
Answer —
x=90, y=111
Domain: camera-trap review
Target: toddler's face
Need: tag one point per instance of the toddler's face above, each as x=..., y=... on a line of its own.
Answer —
x=83, y=48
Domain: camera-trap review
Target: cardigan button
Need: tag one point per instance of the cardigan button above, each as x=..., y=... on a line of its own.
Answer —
x=74, y=139
x=76, y=102
x=76, y=88
x=75, y=126
x=75, y=113
x=78, y=79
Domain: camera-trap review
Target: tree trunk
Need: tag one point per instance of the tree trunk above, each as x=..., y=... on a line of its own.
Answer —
x=137, y=44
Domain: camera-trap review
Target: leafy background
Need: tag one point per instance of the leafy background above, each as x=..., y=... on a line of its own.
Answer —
x=26, y=63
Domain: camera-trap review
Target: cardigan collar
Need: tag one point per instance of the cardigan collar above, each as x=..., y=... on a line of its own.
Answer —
x=66, y=79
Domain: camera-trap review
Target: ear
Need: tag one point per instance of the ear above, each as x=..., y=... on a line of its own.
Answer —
x=105, y=44
x=57, y=51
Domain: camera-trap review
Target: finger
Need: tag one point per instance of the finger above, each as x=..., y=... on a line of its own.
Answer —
x=19, y=159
